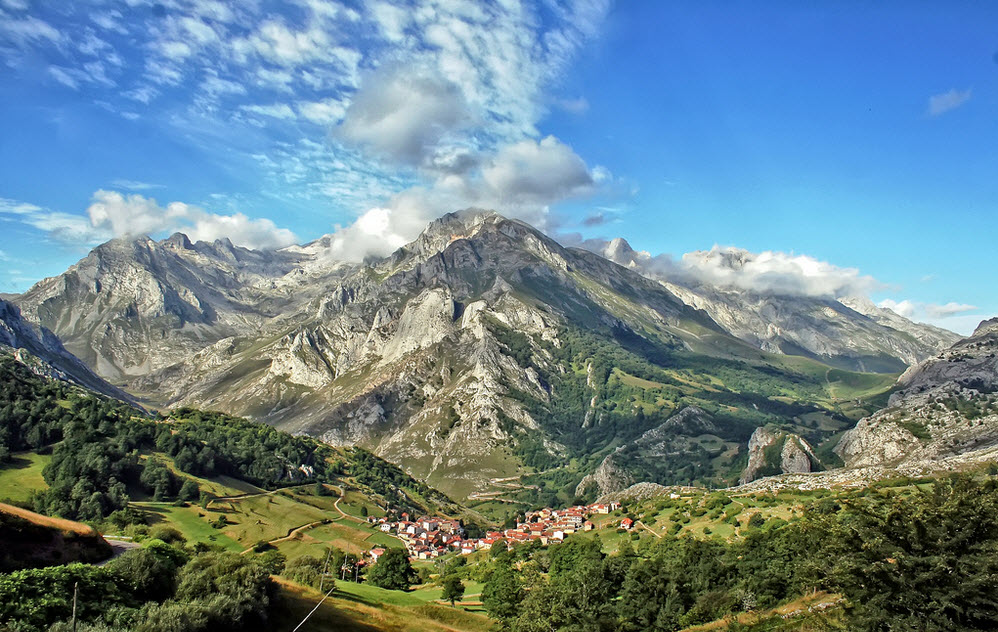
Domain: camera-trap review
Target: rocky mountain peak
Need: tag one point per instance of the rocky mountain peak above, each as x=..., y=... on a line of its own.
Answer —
x=620, y=252
x=986, y=327
x=178, y=241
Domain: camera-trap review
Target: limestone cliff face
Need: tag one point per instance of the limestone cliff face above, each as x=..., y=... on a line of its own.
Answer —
x=606, y=480
x=399, y=354
x=774, y=452
x=945, y=410
x=134, y=306
x=42, y=351
x=411, y=355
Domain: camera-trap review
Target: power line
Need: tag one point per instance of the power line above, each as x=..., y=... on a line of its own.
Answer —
x=314, y=609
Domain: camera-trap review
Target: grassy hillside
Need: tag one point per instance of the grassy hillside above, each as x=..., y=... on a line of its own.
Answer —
x=363, y=608
x=610, y=388
x=22, y=475
x=32, y=540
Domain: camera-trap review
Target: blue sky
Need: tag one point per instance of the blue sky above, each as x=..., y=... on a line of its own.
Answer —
x=851, y=149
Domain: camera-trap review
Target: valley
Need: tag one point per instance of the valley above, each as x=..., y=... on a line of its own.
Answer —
x=482, y=350
x=575, y=424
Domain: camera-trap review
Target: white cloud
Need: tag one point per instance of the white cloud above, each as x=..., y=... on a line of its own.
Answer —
x=275, y=42
x=109, y=21
x=403, y=115
x=214, y=86
x=926, y=311
x=573, y=106
x=131, y=215
x=112, y=214
x=391, y=19
x=521, y=181
x=953, y=316
x=134, y=185
x=772, y=272
x=946, y=101
x=14, y=207
x=68, y=229
x=769, y=272
x=28, y=31
x=163, y=73
x=325, y=112
x=539, y=172
x=452, y=92
x=71, y=229
x=63, y=76
x=176, y=51
x=142, y=94
x=274, y=79
x=948, y=309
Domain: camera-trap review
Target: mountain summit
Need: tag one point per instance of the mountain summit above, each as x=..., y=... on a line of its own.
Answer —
x=481, y=350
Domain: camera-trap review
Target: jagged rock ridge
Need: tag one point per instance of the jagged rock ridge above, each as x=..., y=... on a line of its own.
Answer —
x=406, y=355
x=944, y=412
x=45, y=353
x=847, y=332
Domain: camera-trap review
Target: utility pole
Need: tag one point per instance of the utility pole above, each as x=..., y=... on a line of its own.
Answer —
x=76, y=586
x=325, y=567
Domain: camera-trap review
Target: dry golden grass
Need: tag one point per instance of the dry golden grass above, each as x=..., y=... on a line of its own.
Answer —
x=45, y=521
x=815, y=602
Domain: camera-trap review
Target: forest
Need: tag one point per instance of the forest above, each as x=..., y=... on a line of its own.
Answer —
x=105, y=452
x=925, y=560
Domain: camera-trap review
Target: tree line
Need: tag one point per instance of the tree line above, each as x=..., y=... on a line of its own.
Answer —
x=921, y=561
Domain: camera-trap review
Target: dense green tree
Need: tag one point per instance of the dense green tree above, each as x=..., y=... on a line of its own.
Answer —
x=237, y=589
x=189, y=491
x=143, y=573
x=453, y=589
x=927, y=561
x=393, y=571
x=503, y=592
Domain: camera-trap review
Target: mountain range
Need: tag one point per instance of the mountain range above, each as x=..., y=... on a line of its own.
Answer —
x=481, y=351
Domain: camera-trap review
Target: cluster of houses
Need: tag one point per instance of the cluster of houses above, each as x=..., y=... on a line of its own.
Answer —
x=428, y=538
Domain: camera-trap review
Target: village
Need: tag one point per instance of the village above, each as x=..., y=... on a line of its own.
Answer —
x=428, y=538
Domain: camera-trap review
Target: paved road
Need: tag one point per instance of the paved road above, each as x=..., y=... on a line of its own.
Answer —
x=119, y=547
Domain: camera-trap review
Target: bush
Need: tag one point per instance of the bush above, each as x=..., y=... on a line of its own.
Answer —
x=167, y=534
x=145, y=574
x=305, y=570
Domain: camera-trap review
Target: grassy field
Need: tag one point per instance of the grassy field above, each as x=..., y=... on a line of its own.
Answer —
x=365, y=608
x=22, y=476
x=272, y=516
x=68, y=526
x=187, y=521
x=701, y=515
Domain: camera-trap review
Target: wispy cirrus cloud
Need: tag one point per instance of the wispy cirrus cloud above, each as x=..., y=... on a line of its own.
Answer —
x=926, y=311
x=134, y=185
x=412, y=106
x=946, y=101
